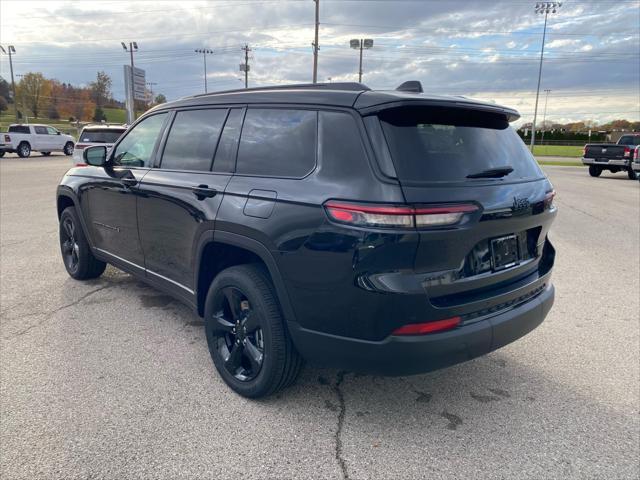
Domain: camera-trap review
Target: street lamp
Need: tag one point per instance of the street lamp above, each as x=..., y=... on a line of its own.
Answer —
x=360, y=44
x=542, y=8
x=204, y=52
x=11, y=49
x=544, y=115
x=133, y=46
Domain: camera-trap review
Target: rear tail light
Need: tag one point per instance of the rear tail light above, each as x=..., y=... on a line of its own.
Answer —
x=7, y=138
x=548, y=200
x=627, y=151
x=584, y=151
x=396, y=216
x=80, y=146
x=636, y=153
x=427, y=327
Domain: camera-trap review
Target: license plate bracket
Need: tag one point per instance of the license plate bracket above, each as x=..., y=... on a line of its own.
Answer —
x=505, y=252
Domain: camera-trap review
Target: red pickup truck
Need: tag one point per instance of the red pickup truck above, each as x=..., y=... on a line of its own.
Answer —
x=615, y=157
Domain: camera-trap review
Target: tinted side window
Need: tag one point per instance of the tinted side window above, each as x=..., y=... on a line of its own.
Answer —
x=52, y=131
x=18, y=129
x=136, y=148
x=41, y=130
x=192, y=140
x=228, y=146
x=279, y=143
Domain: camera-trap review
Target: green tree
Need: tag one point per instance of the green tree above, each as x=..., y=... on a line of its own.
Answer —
x=5, y=89
x=99, y=115
x=101, y=89
x=33, y=92
x=160, y=98
x=3, y=104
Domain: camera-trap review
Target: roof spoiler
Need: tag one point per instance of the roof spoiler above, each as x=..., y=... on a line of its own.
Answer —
x=411, y=86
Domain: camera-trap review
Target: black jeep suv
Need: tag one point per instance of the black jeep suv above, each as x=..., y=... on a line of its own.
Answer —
x=388, y=232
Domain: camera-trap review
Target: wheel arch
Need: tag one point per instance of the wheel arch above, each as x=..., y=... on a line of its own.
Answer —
x=66, y=198
x=225, y=249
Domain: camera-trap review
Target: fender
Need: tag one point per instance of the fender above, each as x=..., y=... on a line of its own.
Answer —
x=65, y=191
x=240, y=241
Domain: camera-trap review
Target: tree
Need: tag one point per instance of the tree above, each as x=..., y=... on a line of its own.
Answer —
x=101, y=89
x=33, y=92
x=99, y=115
x=160, y=98
x=5, y=90
x=3, y=104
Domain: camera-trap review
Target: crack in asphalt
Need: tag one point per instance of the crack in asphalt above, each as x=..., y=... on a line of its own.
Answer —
x=341, y=414
x=54, y=311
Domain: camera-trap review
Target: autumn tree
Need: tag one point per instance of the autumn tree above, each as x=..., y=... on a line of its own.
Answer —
x=101, y=89
x=33, y=92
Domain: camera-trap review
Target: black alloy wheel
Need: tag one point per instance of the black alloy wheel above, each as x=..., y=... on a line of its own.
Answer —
x=69, y=245
x=238, y=335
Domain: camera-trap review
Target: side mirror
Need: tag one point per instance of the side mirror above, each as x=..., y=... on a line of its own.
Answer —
x=95, y=156
x=58, y=132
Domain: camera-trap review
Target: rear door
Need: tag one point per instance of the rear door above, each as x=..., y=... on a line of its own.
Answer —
x=181, y=196
x=474, y=168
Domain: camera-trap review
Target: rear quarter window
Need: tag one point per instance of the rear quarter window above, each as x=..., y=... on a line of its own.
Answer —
x=436, y=144
x=278, y=143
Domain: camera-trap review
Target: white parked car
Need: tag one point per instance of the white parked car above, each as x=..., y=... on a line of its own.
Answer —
x=100, y=134
x=24, y=139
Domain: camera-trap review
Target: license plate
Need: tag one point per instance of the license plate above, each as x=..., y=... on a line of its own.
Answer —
x=504, y=252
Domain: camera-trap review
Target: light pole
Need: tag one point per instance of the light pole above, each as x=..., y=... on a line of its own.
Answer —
x=360, y=44
x=544, y=115
x=131, y=116
x=11, y=50
x=204, y=52
x=543, y=8
x=151, y=84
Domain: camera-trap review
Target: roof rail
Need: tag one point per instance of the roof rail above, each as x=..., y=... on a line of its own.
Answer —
x=350, y=86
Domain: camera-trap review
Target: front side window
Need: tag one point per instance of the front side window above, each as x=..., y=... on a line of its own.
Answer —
x=136, y=148
x=192, y=140
x=40, y=130
x=278, y=142
x=52, y=131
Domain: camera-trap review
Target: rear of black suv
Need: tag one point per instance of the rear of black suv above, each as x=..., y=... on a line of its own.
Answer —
x=454, y=265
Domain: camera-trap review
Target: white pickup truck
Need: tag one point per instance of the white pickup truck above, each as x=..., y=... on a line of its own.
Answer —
x=24, y=139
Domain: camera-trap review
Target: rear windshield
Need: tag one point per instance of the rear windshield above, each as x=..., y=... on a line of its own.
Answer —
x=630, y=140
x=435, y=144
x=101, y=136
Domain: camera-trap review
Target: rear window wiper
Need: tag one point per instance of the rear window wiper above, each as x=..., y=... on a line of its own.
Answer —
x=492, y=172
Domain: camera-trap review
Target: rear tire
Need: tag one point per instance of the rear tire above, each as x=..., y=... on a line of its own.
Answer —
x=1, y=153
x=631, y=174
x=246, y=333
x=76, y=253
x=68, y=149
x=24, y=150
x=594, y=170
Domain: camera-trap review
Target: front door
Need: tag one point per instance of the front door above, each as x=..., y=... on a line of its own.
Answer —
x=180, y=198
x=111, y=197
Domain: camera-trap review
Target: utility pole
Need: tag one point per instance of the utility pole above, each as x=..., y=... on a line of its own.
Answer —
x=543, y=8
x=544, y=115
x=244, y=67
x=151, y=84
x=315, y=43
x=11, y=50
x=204, y=52
x=131, y=110
x=360, y=44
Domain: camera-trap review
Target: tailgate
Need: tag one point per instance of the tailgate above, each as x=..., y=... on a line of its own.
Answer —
x=610, y=152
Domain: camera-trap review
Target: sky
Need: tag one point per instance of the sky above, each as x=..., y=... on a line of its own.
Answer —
x=482, y=49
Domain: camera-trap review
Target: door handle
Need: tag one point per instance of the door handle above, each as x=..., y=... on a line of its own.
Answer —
x=203, y=191
x=129, y=182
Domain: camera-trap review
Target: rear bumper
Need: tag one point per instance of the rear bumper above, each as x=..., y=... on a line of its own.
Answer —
x=409, y=355
x=612, y=163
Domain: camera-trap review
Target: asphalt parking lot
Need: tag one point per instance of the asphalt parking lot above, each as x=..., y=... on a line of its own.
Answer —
x=112, y=379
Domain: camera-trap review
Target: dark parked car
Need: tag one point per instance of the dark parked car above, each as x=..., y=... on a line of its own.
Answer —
x=614, y=157
x=376, y=231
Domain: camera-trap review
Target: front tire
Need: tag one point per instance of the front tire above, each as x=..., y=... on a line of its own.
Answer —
x=246, y=333
x=594, y=170
x=76, y=253
x=631, y=174
x=1, y=153
x=24, y=150
x=68, y=149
